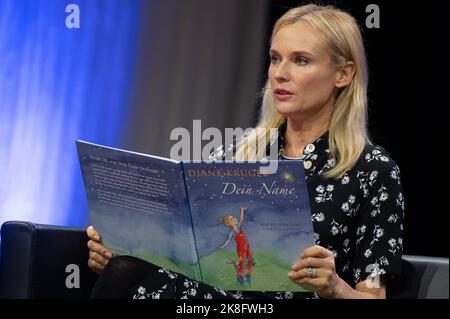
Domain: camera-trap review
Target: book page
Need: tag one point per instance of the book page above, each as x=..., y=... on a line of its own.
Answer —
x=138, y=204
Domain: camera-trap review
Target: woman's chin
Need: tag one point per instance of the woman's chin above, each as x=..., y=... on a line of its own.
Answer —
x=286, y=110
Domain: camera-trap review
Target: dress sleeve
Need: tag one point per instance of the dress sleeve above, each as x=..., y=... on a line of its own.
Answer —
x=379, y=225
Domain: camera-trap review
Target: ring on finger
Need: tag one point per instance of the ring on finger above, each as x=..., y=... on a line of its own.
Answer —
x=311, y=272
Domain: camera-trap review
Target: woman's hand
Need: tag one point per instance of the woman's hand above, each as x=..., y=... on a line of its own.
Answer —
x=99, y=255
x=316, y=267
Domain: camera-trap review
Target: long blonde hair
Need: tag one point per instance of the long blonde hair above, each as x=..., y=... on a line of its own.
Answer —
x=347, y=132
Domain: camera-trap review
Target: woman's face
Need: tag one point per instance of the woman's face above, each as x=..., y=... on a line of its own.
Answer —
x=301, y=72
x=231, y=220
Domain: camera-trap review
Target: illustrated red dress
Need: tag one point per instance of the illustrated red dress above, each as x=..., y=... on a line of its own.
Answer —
x=244, y=252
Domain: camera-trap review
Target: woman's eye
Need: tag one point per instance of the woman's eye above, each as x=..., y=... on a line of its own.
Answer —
x=301, y=61
x=274, y=59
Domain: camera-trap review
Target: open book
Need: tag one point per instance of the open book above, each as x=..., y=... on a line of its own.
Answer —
x=224, y=224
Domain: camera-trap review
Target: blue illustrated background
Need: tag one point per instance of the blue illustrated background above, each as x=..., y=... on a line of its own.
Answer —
x=208, y=203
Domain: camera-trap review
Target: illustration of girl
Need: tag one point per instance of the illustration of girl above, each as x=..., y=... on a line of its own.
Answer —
x=242, y=246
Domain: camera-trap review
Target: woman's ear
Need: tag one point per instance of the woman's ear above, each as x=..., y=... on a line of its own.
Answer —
x=345, y=74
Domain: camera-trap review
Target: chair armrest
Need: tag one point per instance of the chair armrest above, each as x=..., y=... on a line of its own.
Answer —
x=422, y=277
x=34, y=260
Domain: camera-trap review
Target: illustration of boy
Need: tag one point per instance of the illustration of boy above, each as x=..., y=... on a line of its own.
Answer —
x=242, y=246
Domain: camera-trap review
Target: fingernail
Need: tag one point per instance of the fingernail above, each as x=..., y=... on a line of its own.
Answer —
x=97, y=238
x=108, y=254
x=302, y=255
x=291, y=273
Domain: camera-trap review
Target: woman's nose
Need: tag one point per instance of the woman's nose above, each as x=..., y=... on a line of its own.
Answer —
x=282, y=73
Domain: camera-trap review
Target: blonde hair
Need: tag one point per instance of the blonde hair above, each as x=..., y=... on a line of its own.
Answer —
x=224, y=219
x=347, y=132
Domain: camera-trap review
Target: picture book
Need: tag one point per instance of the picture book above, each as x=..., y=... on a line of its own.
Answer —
x=226, y=224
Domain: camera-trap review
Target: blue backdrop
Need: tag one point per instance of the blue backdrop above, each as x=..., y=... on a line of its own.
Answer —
x=58, y=85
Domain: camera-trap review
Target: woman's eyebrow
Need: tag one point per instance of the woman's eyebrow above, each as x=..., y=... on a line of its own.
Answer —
x=299, y=52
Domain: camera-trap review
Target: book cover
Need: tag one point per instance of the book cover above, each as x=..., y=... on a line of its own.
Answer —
x=224, y=224
x=249, y=227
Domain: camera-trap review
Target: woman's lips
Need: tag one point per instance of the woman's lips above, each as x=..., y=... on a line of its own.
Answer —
x=282, y=94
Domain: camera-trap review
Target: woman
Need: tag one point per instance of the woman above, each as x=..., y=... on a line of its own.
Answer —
x=316, y=97
x=245, y=256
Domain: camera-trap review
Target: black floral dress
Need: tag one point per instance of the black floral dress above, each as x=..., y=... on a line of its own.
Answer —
x=359, y=217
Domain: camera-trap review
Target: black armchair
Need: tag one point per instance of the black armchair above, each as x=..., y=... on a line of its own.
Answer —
x=42, y=261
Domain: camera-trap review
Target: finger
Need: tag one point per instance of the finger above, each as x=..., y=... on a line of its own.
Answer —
x=92, y=233
x=303, y=273
x=309, y=262
x=99, y=248
x=316, y=251
x=317, y=283
x=98, y=258
x=95, y=266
